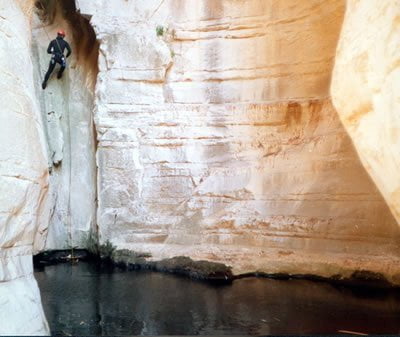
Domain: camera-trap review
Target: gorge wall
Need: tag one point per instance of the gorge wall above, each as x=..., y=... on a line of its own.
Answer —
x=23, y=176
x=218, y=139
x=365, y=90
x=67, y=108
x=201, y=129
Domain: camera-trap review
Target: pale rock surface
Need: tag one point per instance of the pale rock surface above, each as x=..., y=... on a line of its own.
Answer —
x=366, y=87
x=67, y=108
x=218, y=140
x=23, y=176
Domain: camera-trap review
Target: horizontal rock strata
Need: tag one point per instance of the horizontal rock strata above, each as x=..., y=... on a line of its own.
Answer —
x=218, y=139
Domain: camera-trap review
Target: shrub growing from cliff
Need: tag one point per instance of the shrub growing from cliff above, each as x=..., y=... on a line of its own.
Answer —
x=160, y=30
x=102, y=251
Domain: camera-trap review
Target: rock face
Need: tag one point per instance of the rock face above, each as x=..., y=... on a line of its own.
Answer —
x=365, y=90
x=218, y=139
x=67, y=109
x=23, y=177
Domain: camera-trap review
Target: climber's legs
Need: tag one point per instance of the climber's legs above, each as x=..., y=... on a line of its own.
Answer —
x=55, y=59
x=60, y=72
x=49, y=71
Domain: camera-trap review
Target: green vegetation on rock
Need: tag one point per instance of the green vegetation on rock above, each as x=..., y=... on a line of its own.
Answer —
x=160, y=30
x=103, y=251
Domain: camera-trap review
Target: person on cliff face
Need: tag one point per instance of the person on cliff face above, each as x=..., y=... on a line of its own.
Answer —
x=57, y=48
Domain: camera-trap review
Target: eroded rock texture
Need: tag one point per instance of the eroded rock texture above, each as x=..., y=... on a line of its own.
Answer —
x=23, y=176
x=218, y=139
x=67, y=109
x=366, y=90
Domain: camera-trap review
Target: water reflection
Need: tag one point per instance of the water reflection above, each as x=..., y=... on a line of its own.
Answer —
x=81, y=300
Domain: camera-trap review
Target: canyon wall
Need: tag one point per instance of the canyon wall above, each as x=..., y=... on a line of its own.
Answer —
x=213, y=132
x=218, y=139
x=23, y=176
x=365, y=90
x=67, y=109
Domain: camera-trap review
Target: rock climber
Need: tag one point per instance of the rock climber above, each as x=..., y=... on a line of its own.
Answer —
x=57, y=48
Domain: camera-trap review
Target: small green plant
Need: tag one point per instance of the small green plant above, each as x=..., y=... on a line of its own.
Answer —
x=106, y=250
x=160, y=30
x=92, y=243
x=172, y=53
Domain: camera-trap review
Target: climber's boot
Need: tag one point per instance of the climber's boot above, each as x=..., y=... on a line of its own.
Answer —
x=44, y=85
x=59, y=75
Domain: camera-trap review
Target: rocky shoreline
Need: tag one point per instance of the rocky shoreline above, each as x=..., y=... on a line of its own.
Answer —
x=124, y=259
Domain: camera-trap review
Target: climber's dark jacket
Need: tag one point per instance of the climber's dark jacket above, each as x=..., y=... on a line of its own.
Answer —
x=57, y=47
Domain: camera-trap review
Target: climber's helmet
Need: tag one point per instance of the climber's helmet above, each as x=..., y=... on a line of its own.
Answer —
x=61, y=33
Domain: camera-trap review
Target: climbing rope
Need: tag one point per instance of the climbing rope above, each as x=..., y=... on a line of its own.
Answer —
x=69, y=190
x=156, y=10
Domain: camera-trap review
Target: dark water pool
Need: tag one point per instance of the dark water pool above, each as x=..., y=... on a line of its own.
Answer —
x=83, y=300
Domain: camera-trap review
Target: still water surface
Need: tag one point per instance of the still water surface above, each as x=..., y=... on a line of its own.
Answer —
x=84, y=300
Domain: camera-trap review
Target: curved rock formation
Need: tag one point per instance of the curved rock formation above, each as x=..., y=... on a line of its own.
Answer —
x=23, y=176
x=365, y=90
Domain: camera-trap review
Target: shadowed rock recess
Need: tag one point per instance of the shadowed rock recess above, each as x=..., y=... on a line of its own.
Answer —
x=187, y=131
x=67, y=110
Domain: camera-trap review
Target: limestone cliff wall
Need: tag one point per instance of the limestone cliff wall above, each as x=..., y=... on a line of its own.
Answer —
x=23, y=176
x=218, y=139
x=365, y=90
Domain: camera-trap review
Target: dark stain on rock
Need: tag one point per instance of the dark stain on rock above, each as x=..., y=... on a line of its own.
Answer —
x=293, y=113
